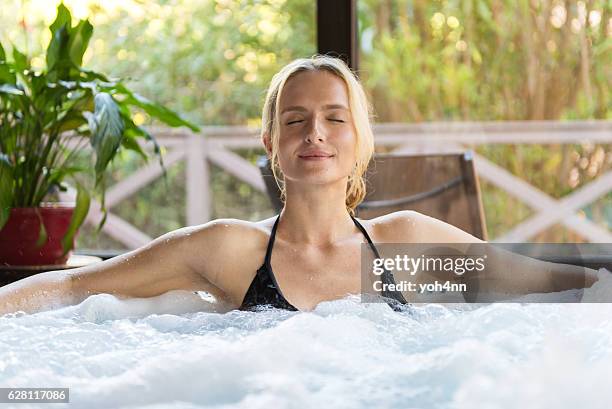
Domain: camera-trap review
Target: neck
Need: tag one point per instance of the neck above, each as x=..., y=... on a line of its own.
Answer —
x=316, y=215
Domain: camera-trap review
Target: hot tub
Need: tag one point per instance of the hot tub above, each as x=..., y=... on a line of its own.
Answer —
x=176, y=351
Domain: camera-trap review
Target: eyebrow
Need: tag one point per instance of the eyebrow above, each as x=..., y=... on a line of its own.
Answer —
x=302, y=109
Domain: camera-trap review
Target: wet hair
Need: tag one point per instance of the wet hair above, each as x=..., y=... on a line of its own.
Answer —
x=360, y=112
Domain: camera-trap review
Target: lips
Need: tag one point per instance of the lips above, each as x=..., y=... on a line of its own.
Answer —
x=315, y=154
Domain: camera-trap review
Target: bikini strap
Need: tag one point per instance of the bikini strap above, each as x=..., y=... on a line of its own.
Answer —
x=273, y=235
x=386, y=276
x=367, y=236
x=271, y=241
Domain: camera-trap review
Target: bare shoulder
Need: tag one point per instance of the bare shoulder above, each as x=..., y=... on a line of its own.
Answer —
x=226, y=248
x=230, y=232
x=409, y=226
x=223, y=236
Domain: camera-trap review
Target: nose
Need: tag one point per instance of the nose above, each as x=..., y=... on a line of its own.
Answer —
x=315, y=131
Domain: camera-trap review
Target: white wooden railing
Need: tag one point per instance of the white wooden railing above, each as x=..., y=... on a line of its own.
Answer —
x=214, y=145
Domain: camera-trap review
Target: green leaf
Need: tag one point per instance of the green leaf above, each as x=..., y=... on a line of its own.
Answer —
x=9, y=89
x=56, y=175
x=84, y=101
x=39, y=86
x=6, y=75
x=63, y=19
x=162, y=113
x=130, y=143
x=21, y=61
x=57, y=54
x=6, y=189
x=58, y=51
x=72, y=123
x=42, y=231
x=92, y=75
x=132, y=131
x=81, y=209
x=2, y=54
x=107, y=128
x=103, y=221
x=79, y=40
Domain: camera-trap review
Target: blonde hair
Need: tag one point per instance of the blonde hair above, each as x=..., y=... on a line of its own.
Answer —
x=360, y=111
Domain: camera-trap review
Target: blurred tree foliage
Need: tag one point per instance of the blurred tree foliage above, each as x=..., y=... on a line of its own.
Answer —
x=421, y=60
x=487, y=59
x=484, y=60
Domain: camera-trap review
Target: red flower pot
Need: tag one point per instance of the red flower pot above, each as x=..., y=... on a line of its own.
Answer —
x=19, y=235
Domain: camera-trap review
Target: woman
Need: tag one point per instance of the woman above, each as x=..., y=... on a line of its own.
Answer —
x=316, y=130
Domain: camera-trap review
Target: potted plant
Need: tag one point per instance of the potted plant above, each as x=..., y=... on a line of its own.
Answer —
x=47, y=117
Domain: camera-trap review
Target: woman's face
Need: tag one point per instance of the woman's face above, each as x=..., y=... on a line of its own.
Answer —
x=317, y=141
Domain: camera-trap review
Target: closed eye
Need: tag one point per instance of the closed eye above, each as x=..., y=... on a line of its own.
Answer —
x=301, y=120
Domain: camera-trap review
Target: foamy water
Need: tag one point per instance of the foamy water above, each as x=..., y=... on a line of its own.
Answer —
x=174, y=351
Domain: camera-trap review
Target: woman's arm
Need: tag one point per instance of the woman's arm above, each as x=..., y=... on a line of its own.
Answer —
x=51, y=289
x=167, y=263
x=506, y=272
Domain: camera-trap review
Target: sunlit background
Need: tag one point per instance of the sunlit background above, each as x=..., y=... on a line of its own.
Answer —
x=470, y=60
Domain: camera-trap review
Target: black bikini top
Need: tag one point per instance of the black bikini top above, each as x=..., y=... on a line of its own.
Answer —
x=264, y=290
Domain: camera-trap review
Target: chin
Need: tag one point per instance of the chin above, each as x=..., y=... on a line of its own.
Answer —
x=318, y=178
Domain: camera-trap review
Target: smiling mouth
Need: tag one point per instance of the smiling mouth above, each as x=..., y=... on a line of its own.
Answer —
x=315, y=157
